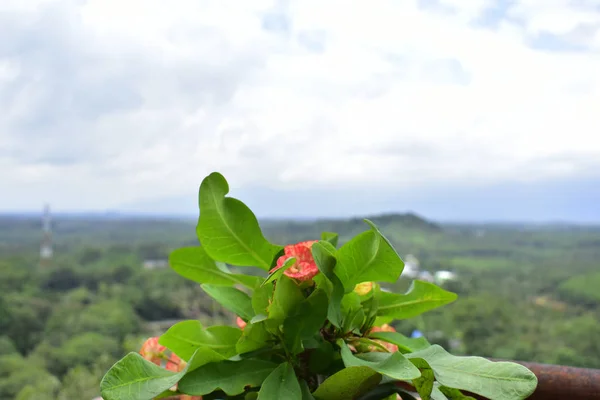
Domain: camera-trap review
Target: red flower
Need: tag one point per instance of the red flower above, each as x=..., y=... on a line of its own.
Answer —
x=240, y=323
x=175, y=364
x=384, y=328
x=152, y=351
x=305, y=267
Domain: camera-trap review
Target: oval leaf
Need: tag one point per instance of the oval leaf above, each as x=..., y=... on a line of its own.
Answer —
x=307, y=319
x=286, y=298
x=229, y=376
x=135, y=378
x=185, y=337
x=229, y=230
x=394, y=365
x=195, y=264
x=421, y=297
x=494, y=380
x=282, y=383
x=368, y=256
x=232, y=299
x=349, y=383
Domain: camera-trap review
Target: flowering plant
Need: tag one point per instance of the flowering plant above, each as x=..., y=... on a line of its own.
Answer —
x=316, y=326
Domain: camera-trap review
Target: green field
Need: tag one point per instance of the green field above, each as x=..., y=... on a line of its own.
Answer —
x=525, y=292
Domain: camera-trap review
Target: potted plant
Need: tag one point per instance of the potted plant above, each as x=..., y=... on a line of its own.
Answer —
x=316, y=327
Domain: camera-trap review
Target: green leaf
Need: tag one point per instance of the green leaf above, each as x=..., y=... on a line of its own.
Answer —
x=194, y=264
x=232, y=377
x=347, y=384
x=229, y=230
x=261, y=298
x=185, y=337
x=324, y=256
x=277, y=273
x=135, y=378
x=255, y=336
x=421, y=297
x=258, y=318
x=379, y=321
x=405, y=344
x=286, y=298
x=282, y=383
x=454, y=394
x=369, y=256
x=394, y=365
x=424, y=383
x=330, y=237
x=165, y=395
x=232, y=299
x=305, y=321
x=495, y=380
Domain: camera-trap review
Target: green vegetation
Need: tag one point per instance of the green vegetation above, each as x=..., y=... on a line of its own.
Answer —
x=526, y=292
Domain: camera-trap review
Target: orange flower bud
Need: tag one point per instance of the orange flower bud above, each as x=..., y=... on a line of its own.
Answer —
x=240, y=323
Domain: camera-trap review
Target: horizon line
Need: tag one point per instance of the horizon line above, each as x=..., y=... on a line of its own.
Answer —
x=112, y=214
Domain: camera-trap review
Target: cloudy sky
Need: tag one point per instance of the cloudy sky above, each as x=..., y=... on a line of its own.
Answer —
x=455, y=109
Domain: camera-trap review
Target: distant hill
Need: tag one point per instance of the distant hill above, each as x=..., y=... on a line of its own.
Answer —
x=407, y=221
x=346, y=228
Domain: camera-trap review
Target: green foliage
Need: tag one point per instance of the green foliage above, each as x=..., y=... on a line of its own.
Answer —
x=232, y=299
x=405, y=344
x=185, y=337
x=368, y=256
x=194, y=264
x=304, y=338
x=228, y=230
x=421, y=297
x=584, y=287
x=349, y=383
x=230, y=377
x=512, y=282
x=282, y=383
x=393, y=365
x=494, y=380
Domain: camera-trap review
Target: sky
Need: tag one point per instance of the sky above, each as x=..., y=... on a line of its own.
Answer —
x=453, y=109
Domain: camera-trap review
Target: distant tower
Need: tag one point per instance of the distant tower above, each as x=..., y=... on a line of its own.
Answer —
x=46, y=247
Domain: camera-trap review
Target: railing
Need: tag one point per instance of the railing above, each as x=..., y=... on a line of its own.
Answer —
x=557, y=382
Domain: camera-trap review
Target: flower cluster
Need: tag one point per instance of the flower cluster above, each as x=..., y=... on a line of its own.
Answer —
x=304, y=268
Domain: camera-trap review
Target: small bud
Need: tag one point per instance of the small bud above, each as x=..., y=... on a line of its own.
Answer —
x=363, y=288
x=240, y=323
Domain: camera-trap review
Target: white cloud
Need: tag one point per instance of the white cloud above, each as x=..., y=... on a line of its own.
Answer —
x=108, y=102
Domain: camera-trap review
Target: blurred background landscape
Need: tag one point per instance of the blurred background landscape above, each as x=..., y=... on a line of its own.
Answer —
x=526, y=291
x=467, y=130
